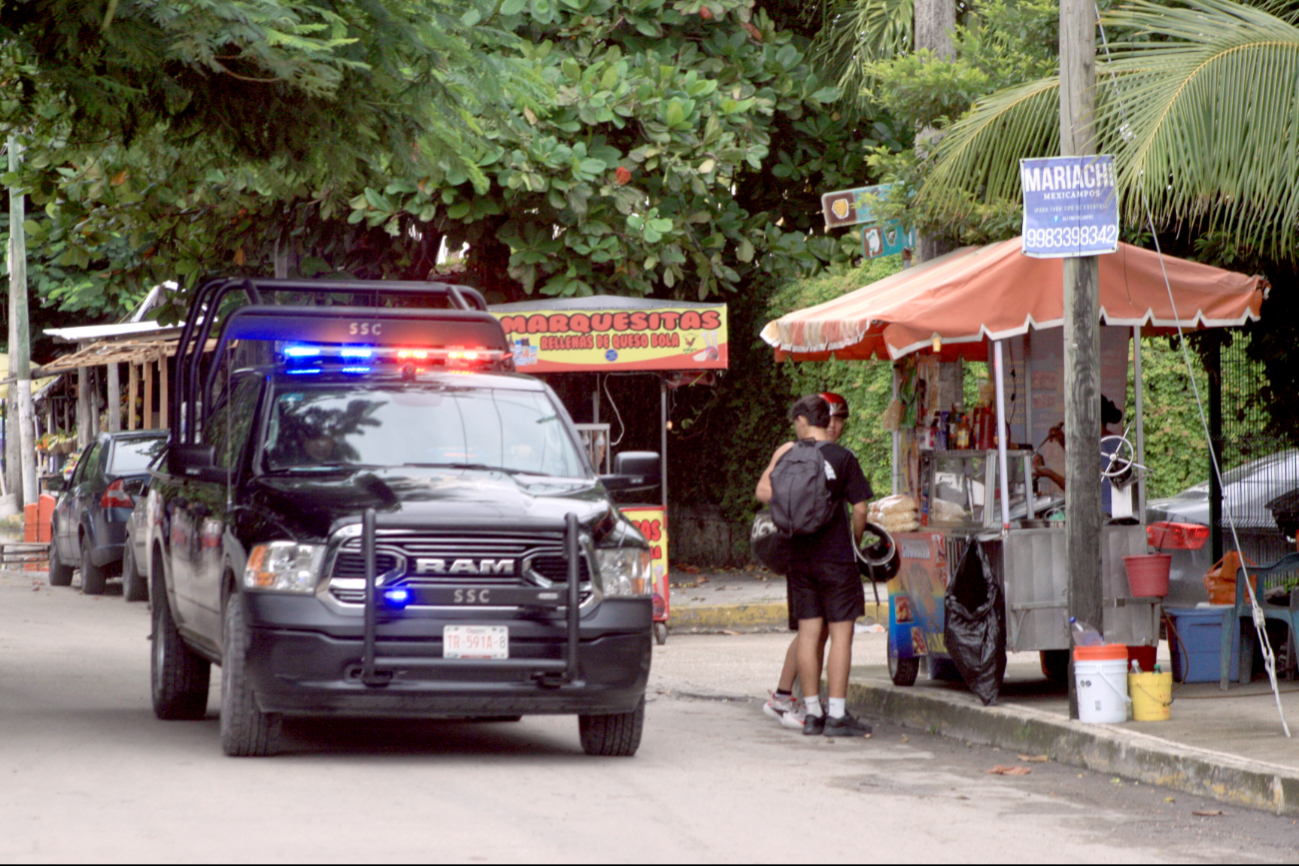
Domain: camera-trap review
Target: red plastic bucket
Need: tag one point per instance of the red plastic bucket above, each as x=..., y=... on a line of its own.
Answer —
x=1148, y=574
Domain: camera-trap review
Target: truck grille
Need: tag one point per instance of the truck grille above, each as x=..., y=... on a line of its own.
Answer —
x=461, y=560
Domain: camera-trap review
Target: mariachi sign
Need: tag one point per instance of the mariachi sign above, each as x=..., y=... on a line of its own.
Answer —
x=658, y=338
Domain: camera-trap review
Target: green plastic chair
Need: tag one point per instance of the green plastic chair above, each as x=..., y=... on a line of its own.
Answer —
x=1285, y=570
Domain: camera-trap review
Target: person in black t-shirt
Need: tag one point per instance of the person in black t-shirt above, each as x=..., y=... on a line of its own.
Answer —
x=781, y=704
x=824, y=584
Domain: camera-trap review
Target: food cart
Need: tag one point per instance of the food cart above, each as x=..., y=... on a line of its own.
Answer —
x=967, y=482
x=679, y=343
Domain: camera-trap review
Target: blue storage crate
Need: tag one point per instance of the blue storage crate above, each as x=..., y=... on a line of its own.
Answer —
x=1196, y=645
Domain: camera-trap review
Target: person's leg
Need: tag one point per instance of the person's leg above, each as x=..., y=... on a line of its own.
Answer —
x=840, y=660
x=825, y=636
x=789, y=672
x=844, y=601
x=809, y=663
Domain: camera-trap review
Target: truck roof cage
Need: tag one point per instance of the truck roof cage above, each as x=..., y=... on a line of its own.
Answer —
x=269, y=305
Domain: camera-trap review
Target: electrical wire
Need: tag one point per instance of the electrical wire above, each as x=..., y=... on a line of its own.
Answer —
x=622, y=428
x=1257, y=615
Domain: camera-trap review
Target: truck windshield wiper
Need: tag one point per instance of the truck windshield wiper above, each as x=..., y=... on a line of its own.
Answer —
x=480, y=466
x=330, y=467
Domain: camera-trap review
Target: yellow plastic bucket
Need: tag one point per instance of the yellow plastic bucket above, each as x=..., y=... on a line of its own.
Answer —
x=1152, y=695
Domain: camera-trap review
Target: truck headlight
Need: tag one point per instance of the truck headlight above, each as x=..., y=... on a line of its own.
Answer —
x=624, y=570
x=284, y=566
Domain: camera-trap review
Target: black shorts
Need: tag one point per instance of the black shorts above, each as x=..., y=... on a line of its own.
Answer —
x=831, y=591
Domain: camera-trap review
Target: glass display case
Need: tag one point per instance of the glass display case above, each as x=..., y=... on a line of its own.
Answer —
x=955, y=485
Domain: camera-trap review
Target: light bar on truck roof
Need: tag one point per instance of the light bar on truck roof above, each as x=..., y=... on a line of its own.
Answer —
x=302, y=357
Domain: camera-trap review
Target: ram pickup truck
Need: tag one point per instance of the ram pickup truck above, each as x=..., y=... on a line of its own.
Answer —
x=363, y=511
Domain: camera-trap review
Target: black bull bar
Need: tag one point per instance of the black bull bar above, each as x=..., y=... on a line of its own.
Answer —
x=377, y=671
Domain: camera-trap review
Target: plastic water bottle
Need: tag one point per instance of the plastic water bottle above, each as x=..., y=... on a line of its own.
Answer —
x=1084, y=634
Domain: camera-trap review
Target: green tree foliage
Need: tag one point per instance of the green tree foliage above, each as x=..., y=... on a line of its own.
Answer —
x=627, y=182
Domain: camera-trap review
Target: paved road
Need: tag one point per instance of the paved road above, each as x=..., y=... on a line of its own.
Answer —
x=88, y=773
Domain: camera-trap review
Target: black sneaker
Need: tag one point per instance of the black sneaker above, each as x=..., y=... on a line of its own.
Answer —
x=813, y=726
x=844, y=726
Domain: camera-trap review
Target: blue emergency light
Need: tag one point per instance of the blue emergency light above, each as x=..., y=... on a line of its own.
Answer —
x=397, y=597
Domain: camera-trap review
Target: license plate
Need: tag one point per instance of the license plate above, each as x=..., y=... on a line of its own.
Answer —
x=475, y=642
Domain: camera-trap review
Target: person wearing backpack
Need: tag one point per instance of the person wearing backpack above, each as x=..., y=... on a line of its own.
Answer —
x=781, y=703
x=807, y=484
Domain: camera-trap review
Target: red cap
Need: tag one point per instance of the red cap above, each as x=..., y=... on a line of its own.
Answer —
x=838, y=405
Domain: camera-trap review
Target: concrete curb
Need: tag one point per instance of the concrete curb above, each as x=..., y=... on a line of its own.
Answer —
x=1103, y=748
x=762, y=616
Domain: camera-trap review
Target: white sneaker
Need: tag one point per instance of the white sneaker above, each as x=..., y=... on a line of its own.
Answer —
x=794, y=718
x=779, y=708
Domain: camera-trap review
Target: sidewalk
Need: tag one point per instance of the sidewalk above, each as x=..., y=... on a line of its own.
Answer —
x=1226, y=745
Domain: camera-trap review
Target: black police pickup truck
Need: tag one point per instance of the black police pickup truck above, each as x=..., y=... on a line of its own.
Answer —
x=364, y=511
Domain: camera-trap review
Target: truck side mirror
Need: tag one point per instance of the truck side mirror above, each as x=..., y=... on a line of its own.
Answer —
x=633, y=470
x=55, y=484
x=194, y=462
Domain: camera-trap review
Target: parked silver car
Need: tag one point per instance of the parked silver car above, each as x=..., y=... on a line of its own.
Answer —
x=1179, y=524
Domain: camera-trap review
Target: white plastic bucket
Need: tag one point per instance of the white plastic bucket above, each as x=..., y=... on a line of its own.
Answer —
x=1102, y=691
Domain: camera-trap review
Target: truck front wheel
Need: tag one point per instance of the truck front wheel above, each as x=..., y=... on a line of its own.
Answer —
x=245, y=730
x=180, y=676
x=614, y=736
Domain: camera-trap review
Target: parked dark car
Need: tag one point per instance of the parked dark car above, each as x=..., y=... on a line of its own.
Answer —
x=1180, y=524
x=88, y=528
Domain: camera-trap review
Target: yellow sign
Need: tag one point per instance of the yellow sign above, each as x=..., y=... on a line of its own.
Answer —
x=660, y=338
x=653, y=524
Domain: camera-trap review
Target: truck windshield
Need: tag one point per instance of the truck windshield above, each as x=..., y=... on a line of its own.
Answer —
x=386, y=426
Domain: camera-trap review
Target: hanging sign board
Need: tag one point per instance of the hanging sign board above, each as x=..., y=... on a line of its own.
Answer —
x=659, y=338
x=1071, y=206
x=885, y=240
x=850, y=207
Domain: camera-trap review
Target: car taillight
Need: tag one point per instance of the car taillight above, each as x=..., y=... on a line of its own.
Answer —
x=116, y=496
x=1166, y=535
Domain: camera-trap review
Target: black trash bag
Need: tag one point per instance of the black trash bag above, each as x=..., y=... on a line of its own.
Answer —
x=768, y=543
x=975, y=625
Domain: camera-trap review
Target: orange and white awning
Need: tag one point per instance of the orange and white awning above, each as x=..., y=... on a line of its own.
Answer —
x=993, y=292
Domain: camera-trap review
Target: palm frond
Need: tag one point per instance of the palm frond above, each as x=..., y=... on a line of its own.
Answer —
x=863, y=33
x=1206, y=123
x=980, y=153
x=1199, y=104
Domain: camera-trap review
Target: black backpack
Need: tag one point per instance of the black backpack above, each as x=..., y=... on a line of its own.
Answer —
x=801, y=502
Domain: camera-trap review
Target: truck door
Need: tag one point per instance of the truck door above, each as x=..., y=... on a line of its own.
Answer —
x=227, y=431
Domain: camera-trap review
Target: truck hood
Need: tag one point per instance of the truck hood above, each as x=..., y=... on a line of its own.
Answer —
x=318, y=504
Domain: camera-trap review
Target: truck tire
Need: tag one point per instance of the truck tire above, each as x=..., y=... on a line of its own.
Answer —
x=180, y=675
x=613, y=736
x=60, y=574
x=134, y=587
x=245, y=730
x=93, y=578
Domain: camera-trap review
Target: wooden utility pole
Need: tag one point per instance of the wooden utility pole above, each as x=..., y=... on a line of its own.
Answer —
x=1081, y=335
x=933, y=26
x=20, y=347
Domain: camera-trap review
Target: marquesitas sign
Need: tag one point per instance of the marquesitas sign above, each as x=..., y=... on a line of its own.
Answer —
x=660, y=338
x=1071, y=206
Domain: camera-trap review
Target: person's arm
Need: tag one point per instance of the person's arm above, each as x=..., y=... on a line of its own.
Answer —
x=1047, y=472
x=859, y=511
x=859, y=493
x=764, y=483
